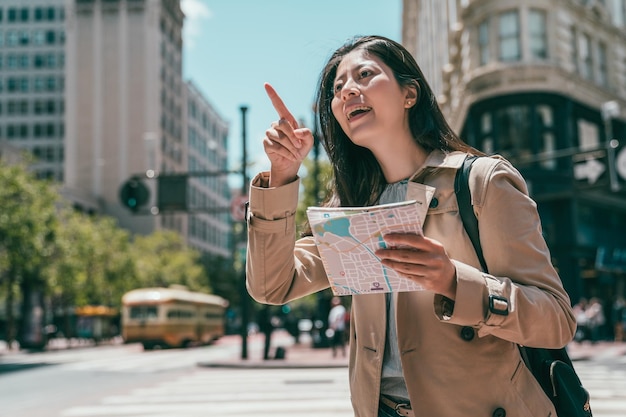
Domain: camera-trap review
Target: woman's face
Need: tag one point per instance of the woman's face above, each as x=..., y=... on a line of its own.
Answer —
x=368, y=102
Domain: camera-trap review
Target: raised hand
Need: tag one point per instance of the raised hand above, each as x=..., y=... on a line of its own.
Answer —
x=285, y=143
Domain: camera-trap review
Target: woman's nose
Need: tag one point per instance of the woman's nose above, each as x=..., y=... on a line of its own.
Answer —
x=350, y=89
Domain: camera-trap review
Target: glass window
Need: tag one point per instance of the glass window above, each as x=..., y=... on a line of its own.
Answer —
x=50, y=107
x=514, y=131
x=50, y=37
x=143, y=312
x=11, y=131
x=546, y=132
x=509, y=37
x=38, y=14
x=51, y=84
x=574, y=50
x=584, y=54
x=24, y=14
x=51, y=60
x=13, y=38
x=483, y=41
x=486, y=130
x=39, y=84
x=24, y=37
x=11, y=84
x=12, y=61
x=588, y=135
x=603, y=77
x=39, y=37
x=537, y=34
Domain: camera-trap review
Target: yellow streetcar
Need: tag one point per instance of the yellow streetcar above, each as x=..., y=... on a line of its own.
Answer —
x=171, y=317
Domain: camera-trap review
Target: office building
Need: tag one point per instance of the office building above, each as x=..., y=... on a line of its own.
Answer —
x=32, y=81
x=543, y=84
x=94, y=89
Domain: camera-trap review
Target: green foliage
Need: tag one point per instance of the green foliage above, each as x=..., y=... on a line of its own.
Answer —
x=74, y=259
x=28, y=225
x=162, y=259
x=93, y=263
x=309, y=188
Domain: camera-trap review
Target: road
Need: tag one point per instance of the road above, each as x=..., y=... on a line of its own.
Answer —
x=124, y=381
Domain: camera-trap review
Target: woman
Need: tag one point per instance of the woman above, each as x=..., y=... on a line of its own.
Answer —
x=415, y=353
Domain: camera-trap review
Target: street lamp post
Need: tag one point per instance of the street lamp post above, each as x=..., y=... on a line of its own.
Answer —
x=610, y=110
x=243, y=294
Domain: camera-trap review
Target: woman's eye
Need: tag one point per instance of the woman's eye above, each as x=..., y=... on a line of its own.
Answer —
x=338, y=87
x=365, y=73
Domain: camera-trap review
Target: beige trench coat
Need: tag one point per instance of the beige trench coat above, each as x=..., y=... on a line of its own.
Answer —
x=461, y=358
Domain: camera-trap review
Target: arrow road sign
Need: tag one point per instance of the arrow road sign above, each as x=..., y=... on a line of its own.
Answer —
x=591, y=169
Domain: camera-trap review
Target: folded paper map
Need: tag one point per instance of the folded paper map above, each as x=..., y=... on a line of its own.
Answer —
x=347, y=238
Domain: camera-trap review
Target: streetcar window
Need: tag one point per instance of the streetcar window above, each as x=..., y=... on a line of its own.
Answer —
x=180, y=314
x=143, y=312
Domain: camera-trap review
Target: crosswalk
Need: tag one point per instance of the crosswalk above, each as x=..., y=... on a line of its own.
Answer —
x=123, y=358
x=218, y=392
x=606, y=383
x=183, y=389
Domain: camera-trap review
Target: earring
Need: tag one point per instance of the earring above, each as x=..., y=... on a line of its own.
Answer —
x=409, y=102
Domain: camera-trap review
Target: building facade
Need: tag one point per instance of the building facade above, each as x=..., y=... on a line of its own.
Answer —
x=32, y=81
x=123, y=102
x=543, y=84
x=94, y=89
x=209, y=199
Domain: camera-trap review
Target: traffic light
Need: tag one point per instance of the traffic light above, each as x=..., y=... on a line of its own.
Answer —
x=134, y=194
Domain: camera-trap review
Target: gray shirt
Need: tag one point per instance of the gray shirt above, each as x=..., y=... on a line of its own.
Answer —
x=392, y=382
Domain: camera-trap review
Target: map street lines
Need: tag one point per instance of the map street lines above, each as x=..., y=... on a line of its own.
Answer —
x=347, y=239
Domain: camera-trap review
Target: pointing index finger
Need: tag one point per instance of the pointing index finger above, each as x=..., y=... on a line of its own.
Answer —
x=279, y=105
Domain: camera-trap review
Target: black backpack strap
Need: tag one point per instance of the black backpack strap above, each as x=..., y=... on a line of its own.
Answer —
x=538, y=360
x=466, y=211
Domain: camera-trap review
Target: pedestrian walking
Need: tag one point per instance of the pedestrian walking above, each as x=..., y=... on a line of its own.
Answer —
x=337, y=325
x=595, y=319
x=413, y=353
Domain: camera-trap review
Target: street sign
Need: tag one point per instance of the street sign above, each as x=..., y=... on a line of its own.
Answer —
x=238, y=207
x=591, y=170
x=172, y=192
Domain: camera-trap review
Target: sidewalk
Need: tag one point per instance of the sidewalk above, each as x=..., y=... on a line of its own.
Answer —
x=301, y=355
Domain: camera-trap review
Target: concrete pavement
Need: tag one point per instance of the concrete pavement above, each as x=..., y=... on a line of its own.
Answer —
x=303, y=355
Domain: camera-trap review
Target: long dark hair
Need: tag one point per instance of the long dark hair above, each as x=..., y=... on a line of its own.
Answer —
x=358, y=178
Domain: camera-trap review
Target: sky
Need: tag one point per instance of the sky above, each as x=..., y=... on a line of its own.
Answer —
x=232, y=47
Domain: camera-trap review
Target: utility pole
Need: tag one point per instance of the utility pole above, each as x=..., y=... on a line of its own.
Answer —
x=243, y=294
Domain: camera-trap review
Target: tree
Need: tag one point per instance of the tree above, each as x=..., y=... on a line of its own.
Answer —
x=163, y=259
x=311, y=185
x=93, y=264
x=28, y=226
